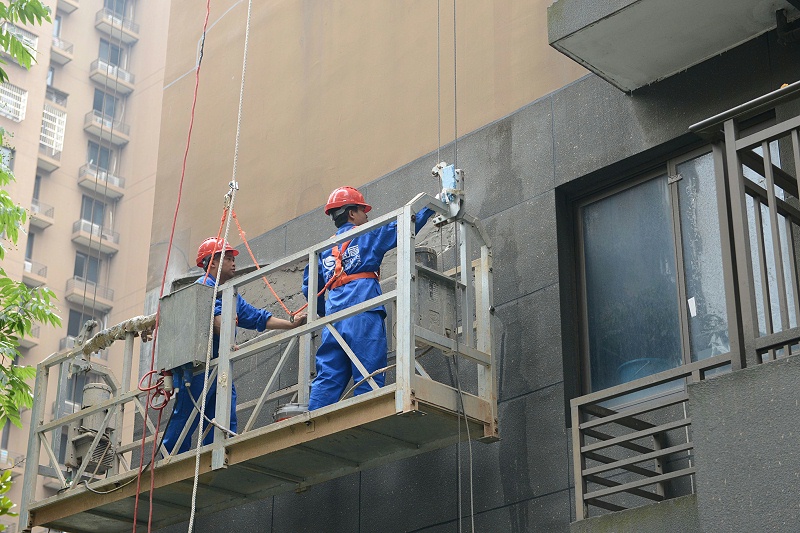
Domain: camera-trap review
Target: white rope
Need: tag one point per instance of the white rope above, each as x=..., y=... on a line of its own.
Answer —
x=208, y=365
x=241, y=91
x=219, y=267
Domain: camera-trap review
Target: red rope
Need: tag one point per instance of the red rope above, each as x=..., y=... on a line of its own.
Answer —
x=275, y=294
x=161, y=293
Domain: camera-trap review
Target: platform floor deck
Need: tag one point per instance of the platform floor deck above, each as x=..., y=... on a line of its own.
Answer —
x=286, y=456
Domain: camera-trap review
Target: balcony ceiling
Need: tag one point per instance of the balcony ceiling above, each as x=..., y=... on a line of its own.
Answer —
x=632, y=43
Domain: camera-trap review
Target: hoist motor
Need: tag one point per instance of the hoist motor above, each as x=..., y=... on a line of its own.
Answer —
x=82, y=432
x=451, y=180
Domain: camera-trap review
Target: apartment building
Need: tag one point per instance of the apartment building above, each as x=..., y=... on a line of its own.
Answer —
x=82, y=129
x=644, y=228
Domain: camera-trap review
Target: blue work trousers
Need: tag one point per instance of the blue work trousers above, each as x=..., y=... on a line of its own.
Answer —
x=183, y=409
x=366, y=335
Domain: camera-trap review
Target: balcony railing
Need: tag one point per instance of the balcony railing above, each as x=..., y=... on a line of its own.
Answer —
x=41, y=208
x=57, y=97
x=108, y=16
x=61, y=52
x=99, y=119
x=31, y=339
x=9, y=459
x=68, y=6
x=35, y=268
x=89, y=289
x=101, y=175
x=624, y=457
x=112, y=71
x=95, y=230
x=61, y=44
x=50, y=152
x=106, y=128
x=66, y=343
x=34, y=274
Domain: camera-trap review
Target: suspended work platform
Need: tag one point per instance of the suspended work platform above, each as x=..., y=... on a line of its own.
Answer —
x=441, y=387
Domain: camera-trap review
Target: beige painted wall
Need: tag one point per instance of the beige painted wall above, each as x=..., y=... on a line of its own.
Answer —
x=337, y=92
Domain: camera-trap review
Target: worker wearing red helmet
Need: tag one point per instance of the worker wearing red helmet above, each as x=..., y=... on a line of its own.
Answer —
x=365, y=333
x=209, y=254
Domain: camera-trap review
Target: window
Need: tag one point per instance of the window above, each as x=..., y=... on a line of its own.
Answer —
x=29, y=247
x=99, y=156
x=37, y=185
x=111, y=53
x=93, y=210
x=51, y=72
x=54, y=124
x=105, y=105
x=76, y=321
x=116, y=7
x=7, y=157
x=13, y=101
x=86, y=267
x=57, y=26
x=652, y=276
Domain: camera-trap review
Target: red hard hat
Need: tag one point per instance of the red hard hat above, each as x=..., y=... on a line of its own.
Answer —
x=211, y=246
x=345, y=196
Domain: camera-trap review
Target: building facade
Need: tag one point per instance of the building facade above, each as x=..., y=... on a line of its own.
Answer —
x=644, y=225
x=82, y=131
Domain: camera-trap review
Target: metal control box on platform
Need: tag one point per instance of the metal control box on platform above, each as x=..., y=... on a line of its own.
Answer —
x=436, y=297
x=183, y=326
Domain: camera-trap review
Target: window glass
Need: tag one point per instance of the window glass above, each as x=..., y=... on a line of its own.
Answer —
x=50, y=73
x=7, y=157
x=117, y=7
x=631, y=286
x=76, y=321
x=57, y=26
x=104, y=104
x=37, y=185
x=702, y=258
x=86, y=267
x=99, y=156
x=93, y=210
x=29, y=247
x=110, y=53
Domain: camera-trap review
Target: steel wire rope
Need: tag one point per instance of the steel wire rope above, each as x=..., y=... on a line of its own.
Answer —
x=456, y=247
x=233, y=186
x=438, y=85
x=86, y=267
x=166, y=264
x=107, y=61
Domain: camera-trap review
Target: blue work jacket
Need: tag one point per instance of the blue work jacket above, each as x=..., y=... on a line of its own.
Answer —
x=363, y=254
x=247, y=316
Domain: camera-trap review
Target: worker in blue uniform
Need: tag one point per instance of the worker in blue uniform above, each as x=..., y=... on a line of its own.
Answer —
x=209, y=254
x=350, y=273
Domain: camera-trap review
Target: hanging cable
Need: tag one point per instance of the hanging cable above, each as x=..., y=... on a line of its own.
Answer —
x=232, y=193
x=166, y=266
x=455, y=91
x=438, y=83
x=209, y=350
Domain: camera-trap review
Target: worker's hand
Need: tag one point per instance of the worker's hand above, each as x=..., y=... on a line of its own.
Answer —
x=299, y=320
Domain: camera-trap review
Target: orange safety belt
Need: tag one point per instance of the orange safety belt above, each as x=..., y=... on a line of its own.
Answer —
x=340, y=277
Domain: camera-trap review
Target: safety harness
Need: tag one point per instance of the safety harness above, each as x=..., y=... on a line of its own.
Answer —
x=340, y=277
